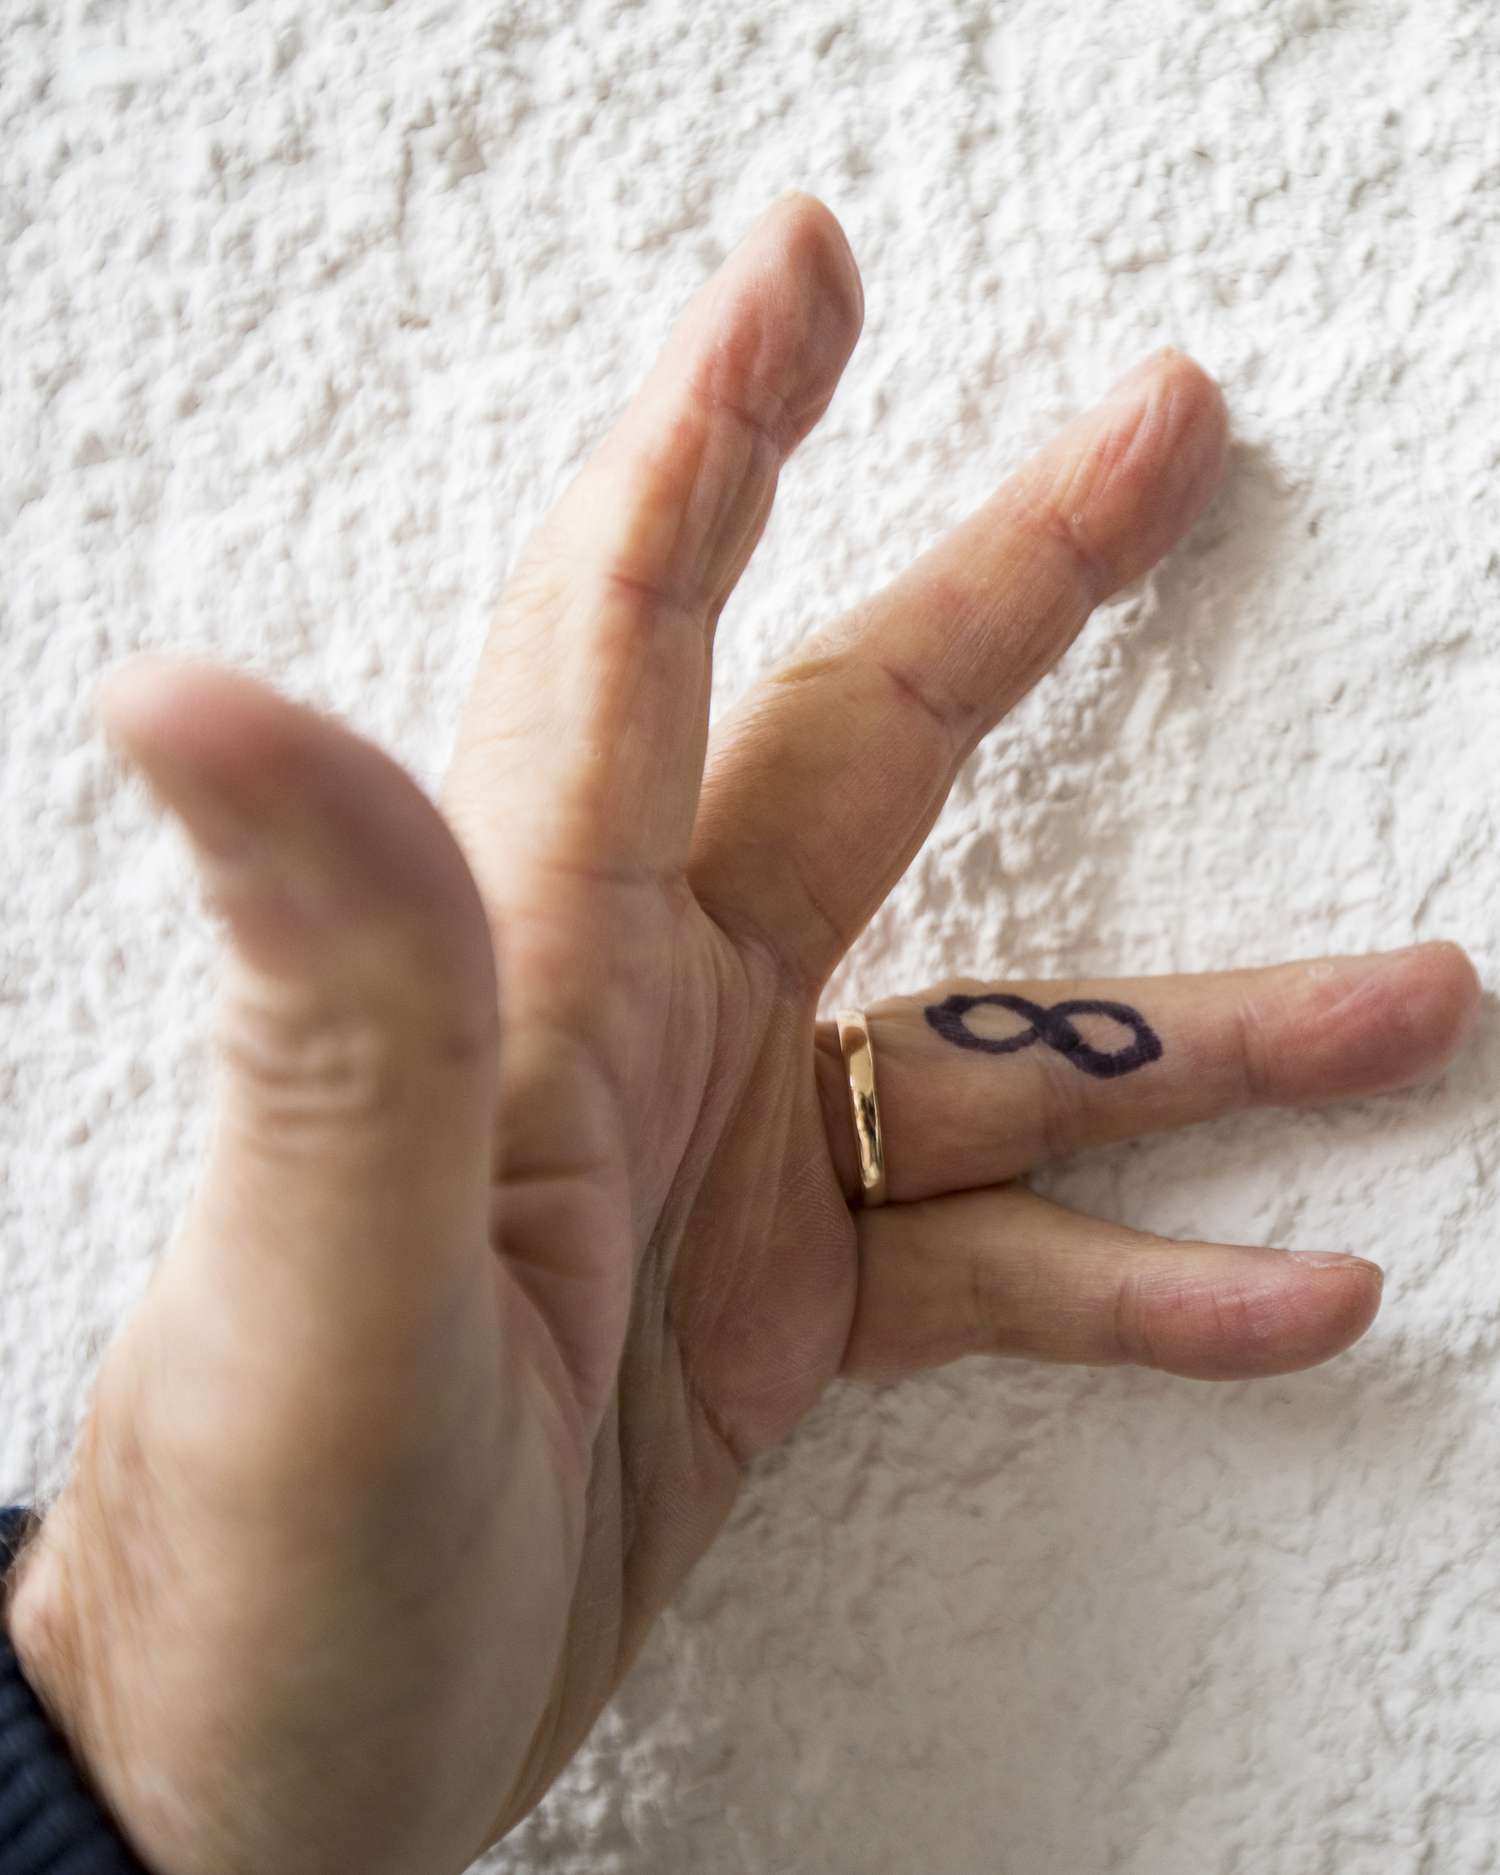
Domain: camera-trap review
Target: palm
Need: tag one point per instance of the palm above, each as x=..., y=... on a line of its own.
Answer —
x=740, y=1293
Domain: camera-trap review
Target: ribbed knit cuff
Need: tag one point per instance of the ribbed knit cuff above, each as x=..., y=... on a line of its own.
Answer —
x=50, y=1824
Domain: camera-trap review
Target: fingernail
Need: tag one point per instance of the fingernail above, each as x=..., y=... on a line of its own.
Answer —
x=1334, y=1259
x=1425, y=944
x=220, y=831
x=1126, y=386
x=121, y=678
x=1365, y=964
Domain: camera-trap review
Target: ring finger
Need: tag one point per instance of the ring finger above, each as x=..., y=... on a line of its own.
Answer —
x=978, y=1082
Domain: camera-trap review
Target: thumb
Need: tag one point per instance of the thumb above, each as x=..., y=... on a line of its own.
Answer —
x=267, y=1591
x=348, y=1187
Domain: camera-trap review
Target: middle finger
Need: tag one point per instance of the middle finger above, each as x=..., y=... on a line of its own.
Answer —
x=823, y=785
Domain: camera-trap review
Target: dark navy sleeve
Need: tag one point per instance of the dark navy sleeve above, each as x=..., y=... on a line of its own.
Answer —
x=50, y=1824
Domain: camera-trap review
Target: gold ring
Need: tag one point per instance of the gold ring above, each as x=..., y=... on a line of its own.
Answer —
x=859, y=1065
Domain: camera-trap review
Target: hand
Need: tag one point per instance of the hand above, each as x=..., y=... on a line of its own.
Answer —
x=481, y=1307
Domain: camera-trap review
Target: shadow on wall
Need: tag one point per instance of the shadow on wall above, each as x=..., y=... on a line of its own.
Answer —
x=1047, y=1697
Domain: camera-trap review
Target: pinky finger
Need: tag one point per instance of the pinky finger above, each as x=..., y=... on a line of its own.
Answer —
x=1004, y=1271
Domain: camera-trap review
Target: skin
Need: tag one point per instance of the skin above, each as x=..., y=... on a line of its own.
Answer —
x=527, y=1219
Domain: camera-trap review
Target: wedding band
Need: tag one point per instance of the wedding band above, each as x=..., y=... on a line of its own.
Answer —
x=859, y=1065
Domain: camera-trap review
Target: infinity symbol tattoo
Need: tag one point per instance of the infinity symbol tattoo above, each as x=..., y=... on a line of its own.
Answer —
x=1052, y=1026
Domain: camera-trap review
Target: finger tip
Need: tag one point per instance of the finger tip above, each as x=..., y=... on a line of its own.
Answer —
x=1193, y=437
x=773, y=331
x=1346, y=1027
x=143, y=703
x=1257, y=1313
x=1452, y=981
x=1194, y=379
x=158, y=700
x=1206, y=409
x=814, y=245
x=1433, y=999
x=187, y=722
x=1330, y=1307
x=128, y=691
x=1139, y=469
x=799, y=211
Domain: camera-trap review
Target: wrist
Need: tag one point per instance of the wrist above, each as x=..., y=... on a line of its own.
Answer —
x=51, y=1813
x=42, y=1637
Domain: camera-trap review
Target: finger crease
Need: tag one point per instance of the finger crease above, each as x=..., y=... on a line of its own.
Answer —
x=655, y=595
x=1130, y=1334
x=1251, y=1050
x=786, y=959
x=697, y=1397
x=773, y=432
x=952, y=720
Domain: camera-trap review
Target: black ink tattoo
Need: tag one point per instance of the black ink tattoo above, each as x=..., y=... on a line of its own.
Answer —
x=1054, y=1027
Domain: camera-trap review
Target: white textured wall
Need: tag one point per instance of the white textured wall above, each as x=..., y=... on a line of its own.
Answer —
x=308, y=305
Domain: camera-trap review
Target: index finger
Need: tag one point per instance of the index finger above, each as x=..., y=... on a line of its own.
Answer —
x=582, y=740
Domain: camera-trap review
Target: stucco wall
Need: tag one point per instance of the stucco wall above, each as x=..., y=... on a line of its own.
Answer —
x=308, y=308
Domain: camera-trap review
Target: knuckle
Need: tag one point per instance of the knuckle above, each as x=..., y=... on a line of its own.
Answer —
x=1000, y=1297
x=296, y=1065
x=299, y=1062
x=1067, y=530
x=985, y=1322
x=1252, y=1049
x=1246, y=1319
x=1131, y=1336
x=949, y=717
x=1057, y=1110
x=1053, y=520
